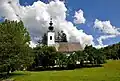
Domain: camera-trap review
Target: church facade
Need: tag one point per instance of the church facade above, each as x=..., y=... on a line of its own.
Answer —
x=60, y=41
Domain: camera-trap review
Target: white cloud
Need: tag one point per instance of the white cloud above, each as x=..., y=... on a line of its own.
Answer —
x=106, y=28
x=104, y=37
x=7, y=10
x=79, y=17
x=37, y=16
x=99, y=46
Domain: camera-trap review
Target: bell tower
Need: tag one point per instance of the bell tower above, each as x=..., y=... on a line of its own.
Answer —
x=51, y=34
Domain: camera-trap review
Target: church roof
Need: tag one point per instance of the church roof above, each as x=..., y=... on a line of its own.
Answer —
x=69, y=47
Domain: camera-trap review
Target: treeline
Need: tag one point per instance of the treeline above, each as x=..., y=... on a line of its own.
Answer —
x=112, y=51
x=15, y=53
x=48, y=58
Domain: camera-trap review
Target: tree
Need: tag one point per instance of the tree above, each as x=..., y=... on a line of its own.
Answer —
x=71, y=60
x=61, y=59
x=95, y=56
x=44, y=56
x=112, y=51
x=43, y=41
x=81, y=57
x=14, y=46
x=63, y=37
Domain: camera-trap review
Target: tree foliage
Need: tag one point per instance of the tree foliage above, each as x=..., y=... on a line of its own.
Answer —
x=48, y=56
x=44, y=56
x=14, y=46
x=62, y=37
x=112, y=51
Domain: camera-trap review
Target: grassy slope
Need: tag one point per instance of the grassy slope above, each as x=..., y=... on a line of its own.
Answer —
x=110, y=72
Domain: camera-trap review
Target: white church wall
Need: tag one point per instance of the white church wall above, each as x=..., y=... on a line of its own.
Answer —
x=51, y=39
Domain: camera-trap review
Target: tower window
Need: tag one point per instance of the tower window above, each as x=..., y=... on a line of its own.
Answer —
x=50, y=37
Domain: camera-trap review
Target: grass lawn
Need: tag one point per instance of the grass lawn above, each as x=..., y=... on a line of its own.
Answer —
x=109, y=72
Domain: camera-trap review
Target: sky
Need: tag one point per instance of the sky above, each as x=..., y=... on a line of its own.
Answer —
x=94, y=22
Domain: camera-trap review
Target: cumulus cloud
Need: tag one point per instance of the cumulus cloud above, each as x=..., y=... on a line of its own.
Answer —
x=104, y=37
x=79, y=17
x=108, y=29
x=7, y=10
x=37, y=16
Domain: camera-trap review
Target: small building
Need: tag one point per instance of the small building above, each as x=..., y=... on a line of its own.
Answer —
x=60, y=42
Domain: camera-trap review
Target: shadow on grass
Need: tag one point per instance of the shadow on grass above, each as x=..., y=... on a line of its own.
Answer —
x=89, y=66
x=6, y=76
x=17, y=74
x=65, y=68
x=50, y=69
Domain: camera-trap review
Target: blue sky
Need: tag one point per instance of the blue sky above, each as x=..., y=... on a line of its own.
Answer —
x=100, y=9
x=93, y=9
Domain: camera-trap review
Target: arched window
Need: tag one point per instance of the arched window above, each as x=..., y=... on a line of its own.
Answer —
x=50, y=37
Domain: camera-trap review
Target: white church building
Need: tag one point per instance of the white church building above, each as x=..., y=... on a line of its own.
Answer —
x=61, y=46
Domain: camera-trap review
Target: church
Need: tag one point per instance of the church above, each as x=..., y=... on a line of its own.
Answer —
x=59, y=41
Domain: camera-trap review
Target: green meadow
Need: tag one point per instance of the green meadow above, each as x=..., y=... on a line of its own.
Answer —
x=109, y=72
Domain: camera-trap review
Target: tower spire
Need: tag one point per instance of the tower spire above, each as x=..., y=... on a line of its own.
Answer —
x=51, y=34
x=51, y=23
